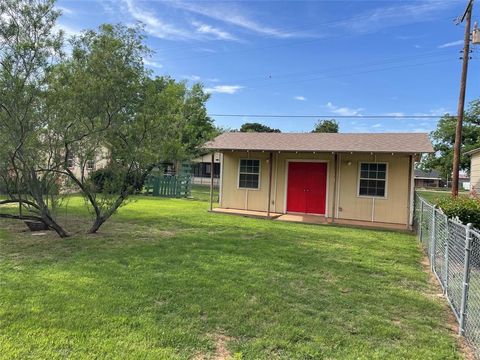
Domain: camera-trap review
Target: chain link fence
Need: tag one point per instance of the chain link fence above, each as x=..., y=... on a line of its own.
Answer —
x=454, y=253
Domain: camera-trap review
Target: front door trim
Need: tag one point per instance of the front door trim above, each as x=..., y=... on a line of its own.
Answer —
x=286, y=181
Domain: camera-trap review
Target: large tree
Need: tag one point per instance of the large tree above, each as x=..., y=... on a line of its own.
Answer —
x=326, y=126
x=257, y=127
x=443, y=138
x=98, y=103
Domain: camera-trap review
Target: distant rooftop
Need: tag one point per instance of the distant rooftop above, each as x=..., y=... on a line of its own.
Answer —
x=411, y=143
x=434, y=174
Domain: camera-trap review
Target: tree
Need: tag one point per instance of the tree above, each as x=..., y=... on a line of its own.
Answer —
x=257, y=127
x=326, y=126
x=28, y=47
x=98, y=103
x=443, y=138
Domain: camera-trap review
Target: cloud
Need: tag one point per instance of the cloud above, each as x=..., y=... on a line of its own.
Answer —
x=300, y=98
x=68, y=30
x=450, y=44
x=376, y=126
x=192, y=77
x=224, y=89
x=64, y=10
x=232, y=14
x=217, y=33
x=343, y=111
x=397, y=15
x=153, y=64
x=399, y=113
x=153, y=25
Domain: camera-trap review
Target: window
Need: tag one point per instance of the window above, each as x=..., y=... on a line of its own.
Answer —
x=373, y=179
x=70, y=161
x=90, y=164
x=249, y=175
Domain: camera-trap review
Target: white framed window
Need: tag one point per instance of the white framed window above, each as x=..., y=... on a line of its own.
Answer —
x=372, y=179
x=90, y=165
x=249, y=174
x=70, y=161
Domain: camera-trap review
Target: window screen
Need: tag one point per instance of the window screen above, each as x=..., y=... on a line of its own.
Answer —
x=249, y=175
x=373, y=179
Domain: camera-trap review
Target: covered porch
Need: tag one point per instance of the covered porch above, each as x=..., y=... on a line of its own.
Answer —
x=310, y=219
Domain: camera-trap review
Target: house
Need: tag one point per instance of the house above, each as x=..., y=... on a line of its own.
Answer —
x=474, y=170
x=201, y=169
x=350, y=178
x=428, y=179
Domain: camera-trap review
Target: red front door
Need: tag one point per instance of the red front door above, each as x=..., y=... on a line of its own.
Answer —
x=307, y=187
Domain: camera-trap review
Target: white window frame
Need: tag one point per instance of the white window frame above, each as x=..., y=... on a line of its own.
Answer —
x=360, y=178
x=90, y=168
x=259, y=174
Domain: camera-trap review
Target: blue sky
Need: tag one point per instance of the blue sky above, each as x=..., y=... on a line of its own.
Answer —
x=303, y=57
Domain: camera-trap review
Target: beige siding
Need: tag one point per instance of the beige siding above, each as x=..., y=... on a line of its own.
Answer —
x=475, y=172
x=392, y=209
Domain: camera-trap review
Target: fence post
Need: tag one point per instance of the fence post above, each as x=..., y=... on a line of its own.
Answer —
x=432, y=239
x=447, y=240
x=466, y=279
x=421, y=219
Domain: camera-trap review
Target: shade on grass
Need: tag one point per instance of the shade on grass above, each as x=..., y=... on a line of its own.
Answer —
x=165, y=279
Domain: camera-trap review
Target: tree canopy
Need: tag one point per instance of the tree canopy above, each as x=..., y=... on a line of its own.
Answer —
x=326, y=126
x=99, y=102
x=257, y=127
x=443, y=139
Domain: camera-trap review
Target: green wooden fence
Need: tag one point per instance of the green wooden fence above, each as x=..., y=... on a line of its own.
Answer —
x=168, y=186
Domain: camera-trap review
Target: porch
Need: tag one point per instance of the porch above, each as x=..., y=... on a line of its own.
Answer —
x=311, y=219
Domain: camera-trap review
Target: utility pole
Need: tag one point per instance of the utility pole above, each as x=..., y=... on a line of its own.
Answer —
x=467, y=16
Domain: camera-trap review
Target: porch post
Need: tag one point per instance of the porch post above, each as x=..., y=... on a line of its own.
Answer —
x=270, y=167
x=211, y=180
x=335, y=174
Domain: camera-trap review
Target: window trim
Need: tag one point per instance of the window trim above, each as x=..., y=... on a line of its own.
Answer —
x=259, y=174
x=360, y=163
x=93, y=168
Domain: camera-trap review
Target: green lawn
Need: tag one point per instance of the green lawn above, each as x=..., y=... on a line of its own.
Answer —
x=433, y=195
x=168, y=280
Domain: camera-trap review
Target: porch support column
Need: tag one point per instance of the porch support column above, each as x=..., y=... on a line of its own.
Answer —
x=211, y=180
x=270, y=167
x=411, y=191
x=335, y=174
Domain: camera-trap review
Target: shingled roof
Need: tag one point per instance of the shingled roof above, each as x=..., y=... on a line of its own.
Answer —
x=323, y=142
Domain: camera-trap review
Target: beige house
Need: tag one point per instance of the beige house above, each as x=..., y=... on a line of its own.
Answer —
x=351, y=178
x=474, y=170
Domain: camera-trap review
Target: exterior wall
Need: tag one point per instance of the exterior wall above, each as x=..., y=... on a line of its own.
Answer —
x=394, y=208
x=475, y=172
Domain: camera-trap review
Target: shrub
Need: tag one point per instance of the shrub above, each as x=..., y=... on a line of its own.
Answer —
x=465, y=208
x=110, y=179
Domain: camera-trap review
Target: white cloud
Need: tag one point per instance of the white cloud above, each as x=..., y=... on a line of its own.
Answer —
x=397, y=15
x=153, y=25
x=377, y=126
x=68, y=30
x=450, y=44
x=192, y=77
x=300, y=98
x=232, y=14
x=224, y=89
x=217, y=33
x=395, y=114
x=153, y=64
x=343, y=111
x=64, y=10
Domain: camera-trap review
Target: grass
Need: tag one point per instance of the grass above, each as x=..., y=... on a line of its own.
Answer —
x=433, y=196
x=165, y=279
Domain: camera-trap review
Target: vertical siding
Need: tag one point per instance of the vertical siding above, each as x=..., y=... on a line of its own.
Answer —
x=392, y=209
x=475, y=171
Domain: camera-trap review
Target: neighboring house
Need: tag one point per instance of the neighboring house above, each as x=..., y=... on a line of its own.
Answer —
x=474, y=170
x=201, y=169
x=428, y=179
x=358, y=177
x=78, y=165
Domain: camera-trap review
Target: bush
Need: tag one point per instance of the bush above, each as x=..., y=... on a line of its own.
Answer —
x=465, y=208
x=110, y=180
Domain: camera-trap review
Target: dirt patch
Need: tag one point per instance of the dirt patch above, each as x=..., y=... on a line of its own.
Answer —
x=221, y=350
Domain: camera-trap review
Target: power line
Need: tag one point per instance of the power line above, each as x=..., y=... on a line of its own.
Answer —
x=331, y=116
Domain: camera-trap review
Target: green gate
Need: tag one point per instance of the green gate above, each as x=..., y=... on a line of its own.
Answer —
x=172, y=186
